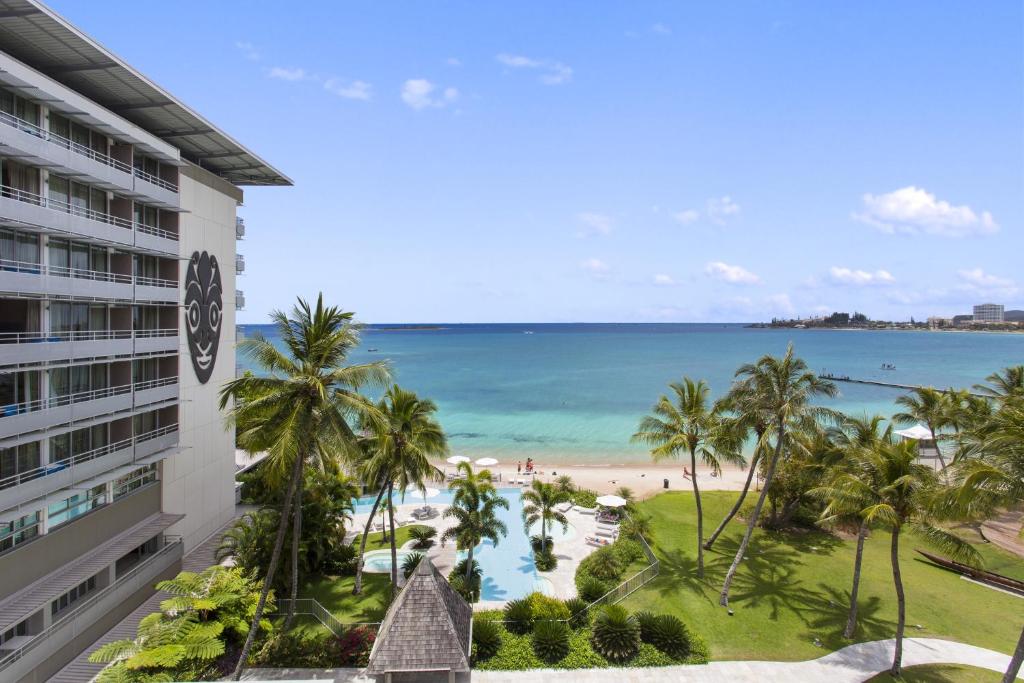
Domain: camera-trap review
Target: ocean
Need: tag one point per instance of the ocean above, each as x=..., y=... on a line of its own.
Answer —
x=573, y=393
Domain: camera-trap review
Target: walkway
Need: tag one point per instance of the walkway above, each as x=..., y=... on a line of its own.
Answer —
x=80, y=669
x=852, y=664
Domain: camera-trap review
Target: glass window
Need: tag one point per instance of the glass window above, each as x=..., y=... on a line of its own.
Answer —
x=77, y=505
x=60, y=125
x=20, y=177
x=7, y=102
x=97, y=318
x=98, y=259
x=19, y=392
x=26, y=111
x=79, y=134
x=144, y=370
x=59, y=189
x=79, y=256
x=98, y=201
x=134, y=480
x=18, y=460
x=80, y=198
x=145, y=423
x=146, y=318
x=18, y=531
x=28, y=248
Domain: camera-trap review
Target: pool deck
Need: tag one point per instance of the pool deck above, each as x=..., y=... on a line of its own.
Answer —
x=569, y=552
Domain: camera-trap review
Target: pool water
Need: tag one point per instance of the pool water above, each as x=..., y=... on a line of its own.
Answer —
x=379, y=561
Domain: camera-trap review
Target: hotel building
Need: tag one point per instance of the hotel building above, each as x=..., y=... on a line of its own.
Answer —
x=988, y=313
x=118, y=266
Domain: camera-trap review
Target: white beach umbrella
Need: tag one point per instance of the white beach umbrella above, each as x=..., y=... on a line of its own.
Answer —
x=611, y=501
x=427, y=492
x=456, y=459
x=486, y=462
x=917, y=432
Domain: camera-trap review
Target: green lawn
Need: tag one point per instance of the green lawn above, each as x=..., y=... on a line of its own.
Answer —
x=335, y=594
x=794, y=588
x=376, y=539
x=941, y=673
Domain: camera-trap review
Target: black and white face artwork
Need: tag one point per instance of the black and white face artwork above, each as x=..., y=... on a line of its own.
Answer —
x=203, y=312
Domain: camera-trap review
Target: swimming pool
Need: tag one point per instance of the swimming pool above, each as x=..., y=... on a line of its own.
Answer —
x=379, y=561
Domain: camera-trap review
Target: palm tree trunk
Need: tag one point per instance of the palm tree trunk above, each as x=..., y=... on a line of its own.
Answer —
x=469, y=571
x=362, y=543
x=736, y=507
x=851, y=620
x=723, y=599
x=543, y=533
x=700, y=516
x=296, y=533
x=394, y=548
x=901, y=603
x=938, y=451
x=1018, y=656
x=275, y=559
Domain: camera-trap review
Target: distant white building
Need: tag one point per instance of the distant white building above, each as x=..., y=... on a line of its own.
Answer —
x=988, y=313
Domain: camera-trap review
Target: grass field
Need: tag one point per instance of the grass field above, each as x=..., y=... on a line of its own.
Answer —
x=940, y=673
x=376, y=539
x=793, y=588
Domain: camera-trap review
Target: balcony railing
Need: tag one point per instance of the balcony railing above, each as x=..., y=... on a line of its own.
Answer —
x=159, y=182
x=60, y=141
x=155, y=281
x=158, y=432
x=62, y=271
x=158, y=232
x=155, y=383
x=51, y=402
x=68, y=336
x=137, y=574
x=62, y=206
x=159, y=332
x=61, y=465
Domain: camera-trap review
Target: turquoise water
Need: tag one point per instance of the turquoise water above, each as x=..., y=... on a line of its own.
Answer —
x=575, y=392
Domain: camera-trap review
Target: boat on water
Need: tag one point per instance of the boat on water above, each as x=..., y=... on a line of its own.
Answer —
x=528, y=332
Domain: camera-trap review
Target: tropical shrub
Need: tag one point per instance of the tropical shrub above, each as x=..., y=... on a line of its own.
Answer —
x=547, y=608
x=409, y=564
x=340, y=562
x=551, y=640
x=352, y=649
x=603, y=563
x=536, y=543
x=646, y=621
x=519, y=616
x=627, y=551
x=563, y=483
x=423, y=536
x=585, y=498
x=590, y=588
x=615, y=634
x=579, y=615
x=457, y=579
x=545, y=561
x=486, y=638
x=670, y=635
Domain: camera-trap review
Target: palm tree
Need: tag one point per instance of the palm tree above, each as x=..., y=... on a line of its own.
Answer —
x=1003, y=385
x=401, y=445
x=299, y=411
x=688, y=424
x=900, y=492
x=539, y=502
x=991, y=476
x=927, y=405
x=473, y=508
x=563, y=482
x=842, y=492
x=781, y=388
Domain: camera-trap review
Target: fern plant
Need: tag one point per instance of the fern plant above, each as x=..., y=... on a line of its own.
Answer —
x=616, y=635
x=486, y=639
x=579, y=616
x=162, y=644
x=551, y=640
x=423, y=536
x=670, y=635
x=519, y=616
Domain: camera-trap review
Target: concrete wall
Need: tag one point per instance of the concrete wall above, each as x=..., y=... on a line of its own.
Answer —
x=199, y=480
x=52, y=551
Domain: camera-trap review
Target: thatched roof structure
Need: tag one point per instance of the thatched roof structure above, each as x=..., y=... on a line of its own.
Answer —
x=427, y=628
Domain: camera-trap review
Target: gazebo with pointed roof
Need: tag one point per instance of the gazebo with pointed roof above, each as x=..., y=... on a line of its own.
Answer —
x=428, y=628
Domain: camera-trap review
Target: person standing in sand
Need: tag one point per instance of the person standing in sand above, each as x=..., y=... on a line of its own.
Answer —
x=519, y=467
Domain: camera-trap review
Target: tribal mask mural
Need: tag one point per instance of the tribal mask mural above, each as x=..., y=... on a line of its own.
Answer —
x=203, y=306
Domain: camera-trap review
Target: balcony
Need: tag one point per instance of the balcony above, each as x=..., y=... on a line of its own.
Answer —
x=23, y=487
x=156, y=341
x=239, y=299
x=21, y=277
x=156, y=239
x=239, y=264
x=239, y=228
x=165, y=193
x=155, y=441
x=19, y=207
x=39, y=146
x=20, y=663
x=155, y=289
x=155, y=391
x=17, y=348
x=20, y=418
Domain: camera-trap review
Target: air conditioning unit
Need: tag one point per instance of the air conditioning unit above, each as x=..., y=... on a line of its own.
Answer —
x=239, y=264
x=239, y=299
x=239, y=228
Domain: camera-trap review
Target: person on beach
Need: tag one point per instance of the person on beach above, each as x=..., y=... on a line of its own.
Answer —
x=519, y=467
x=686, y=473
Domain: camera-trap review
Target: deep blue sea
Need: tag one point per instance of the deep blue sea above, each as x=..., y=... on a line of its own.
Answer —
x=575, y=392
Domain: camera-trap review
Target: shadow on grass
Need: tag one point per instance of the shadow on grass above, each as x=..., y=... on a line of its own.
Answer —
x=832, y=609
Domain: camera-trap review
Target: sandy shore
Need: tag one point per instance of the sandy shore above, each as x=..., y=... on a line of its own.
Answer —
x=645, y=479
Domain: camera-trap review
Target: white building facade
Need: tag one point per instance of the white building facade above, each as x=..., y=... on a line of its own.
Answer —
x=118, y=260
x=988, y=313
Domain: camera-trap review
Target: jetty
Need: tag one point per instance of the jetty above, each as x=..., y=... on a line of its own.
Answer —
x=879, y=383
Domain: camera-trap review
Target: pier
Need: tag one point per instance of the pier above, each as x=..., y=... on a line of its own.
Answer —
x=879, y=383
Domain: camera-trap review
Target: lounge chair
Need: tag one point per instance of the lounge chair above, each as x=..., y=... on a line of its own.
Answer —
x=599, y=542
x=586, y=511
x=564, y=507
x=608, y=533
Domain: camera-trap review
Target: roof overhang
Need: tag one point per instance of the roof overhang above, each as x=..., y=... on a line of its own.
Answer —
x=45, y=41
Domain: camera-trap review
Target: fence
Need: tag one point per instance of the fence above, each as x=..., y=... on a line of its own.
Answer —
x=633, y=583
x=313, y=608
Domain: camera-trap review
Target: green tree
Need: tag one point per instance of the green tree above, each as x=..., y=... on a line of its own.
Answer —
x=688, y=424
x=474, y=509
x=564, y=483
x=902, y=493
x=299, y=411
x=400, y=447
x=223, y=594
x=539, y=503
x=1003, y=385
x=781, y=388
x=844, y=492
x=929, y=406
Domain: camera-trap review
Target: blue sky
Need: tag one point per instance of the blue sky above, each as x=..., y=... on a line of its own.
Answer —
x=597, y=161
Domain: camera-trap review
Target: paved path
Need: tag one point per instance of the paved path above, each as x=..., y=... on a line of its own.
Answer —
x=852, y=664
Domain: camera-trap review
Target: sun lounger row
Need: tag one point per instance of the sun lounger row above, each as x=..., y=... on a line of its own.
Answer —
x=598, y=541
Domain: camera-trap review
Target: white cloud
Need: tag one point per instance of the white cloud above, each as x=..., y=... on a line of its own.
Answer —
x=418, y=93
x=664, y=280
x=720, y=209
x=860, y=278
x=596, y=268
x=453, y=61
x=552, y=72
x=351, y=90
x=248, y=50
x=732, y=274
x=781, y=303
x=979, y=278
x=687, y=216
x=913, y=210
x=594, y=224
x=661, y=29
x=289, y=74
